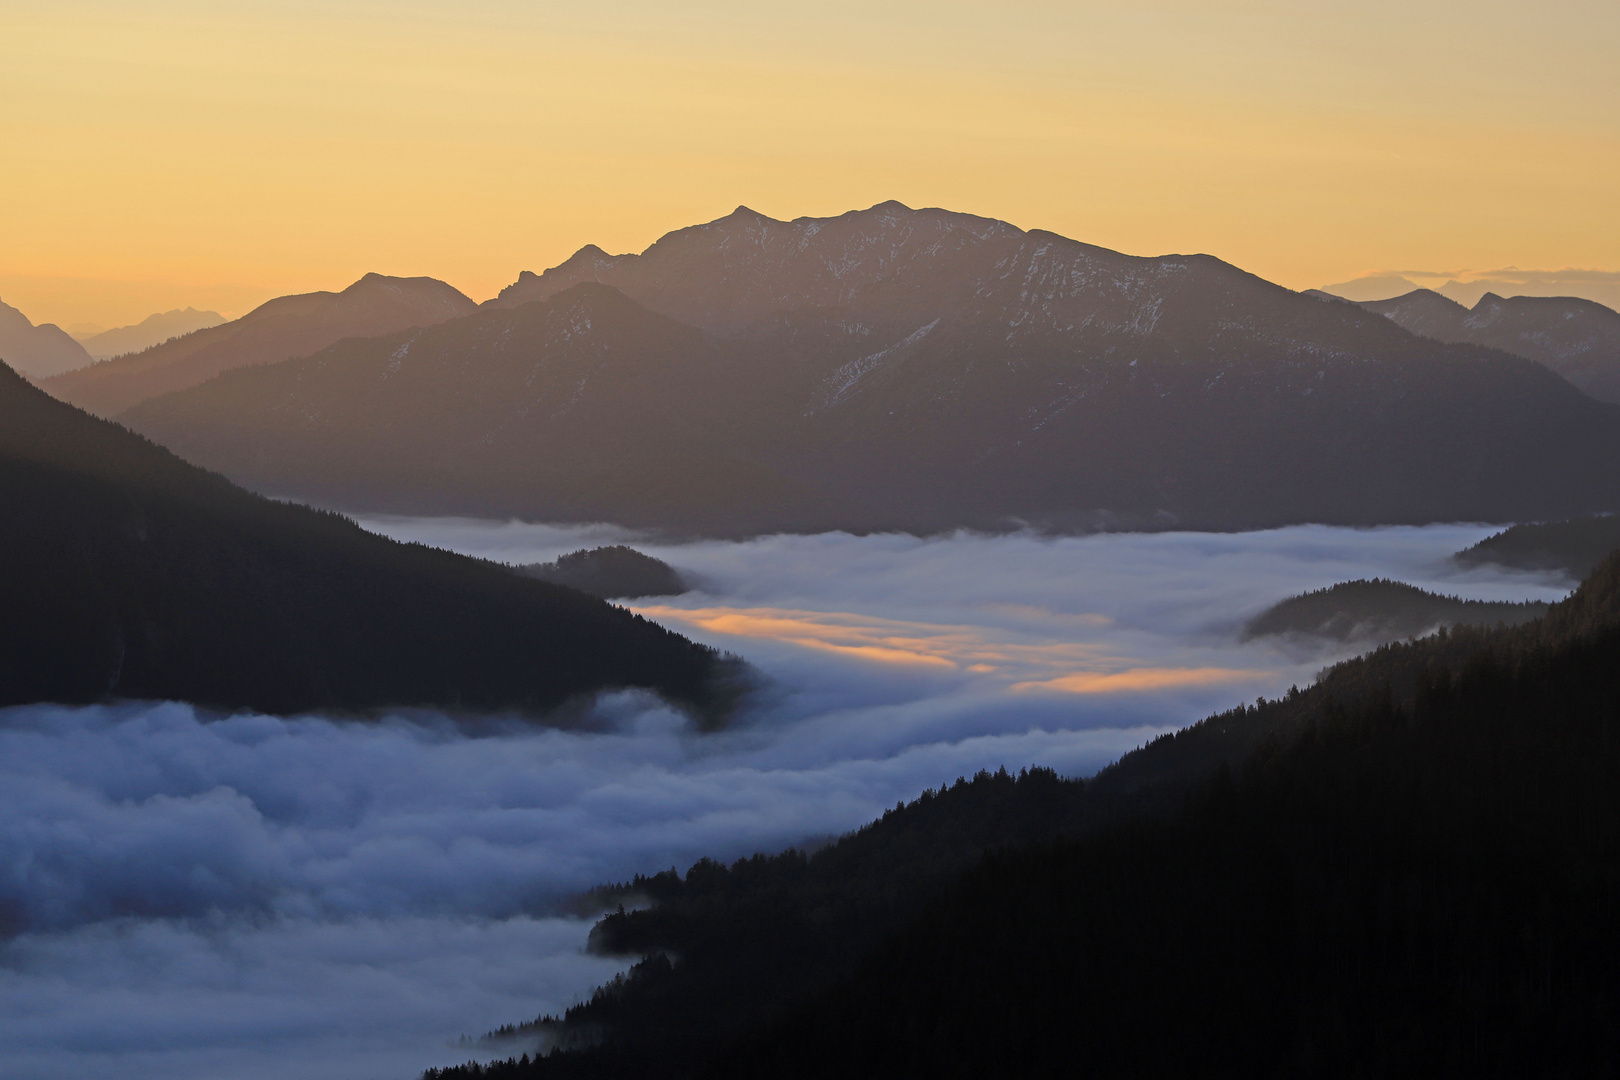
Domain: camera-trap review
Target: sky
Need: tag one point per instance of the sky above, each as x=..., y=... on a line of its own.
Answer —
x=186, y=897
x=167, y=153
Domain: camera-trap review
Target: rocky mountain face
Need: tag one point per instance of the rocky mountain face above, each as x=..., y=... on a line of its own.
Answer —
x=289, y=326
x=1579, y=339
x=920, y=370
x=37, y=351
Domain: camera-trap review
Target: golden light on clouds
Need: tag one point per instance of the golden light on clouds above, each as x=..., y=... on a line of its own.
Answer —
x=1064, y=667
x=1137, y=680
x=177, y=152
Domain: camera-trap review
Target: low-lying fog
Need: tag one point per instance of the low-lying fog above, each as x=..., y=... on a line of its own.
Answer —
x=186, y=896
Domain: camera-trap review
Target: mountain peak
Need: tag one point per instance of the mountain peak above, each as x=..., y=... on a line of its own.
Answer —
x=37, y=351
x=588, y=256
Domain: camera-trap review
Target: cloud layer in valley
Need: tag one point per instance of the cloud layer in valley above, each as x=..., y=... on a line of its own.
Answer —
x=194, y=896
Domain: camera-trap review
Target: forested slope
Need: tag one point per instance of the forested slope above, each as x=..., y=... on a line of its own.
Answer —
x=1423, y=891
x=1372, y=612
x=126, y=573
x=1408, y=868
x=1574, y=547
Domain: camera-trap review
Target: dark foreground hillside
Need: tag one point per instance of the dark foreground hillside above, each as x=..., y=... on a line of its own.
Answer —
x=126, y=573
x=1409, y=869
x=1413, y=892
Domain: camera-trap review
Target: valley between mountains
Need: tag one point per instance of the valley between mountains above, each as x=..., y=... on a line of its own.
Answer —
x=885, y=645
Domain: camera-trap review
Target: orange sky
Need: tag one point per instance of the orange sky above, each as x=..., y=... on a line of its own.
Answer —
x=217, y=153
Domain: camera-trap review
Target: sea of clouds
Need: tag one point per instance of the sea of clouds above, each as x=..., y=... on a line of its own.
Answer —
x=184, y=895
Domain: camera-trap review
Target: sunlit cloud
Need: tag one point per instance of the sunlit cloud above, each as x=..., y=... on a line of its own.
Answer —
x=881, y=640
x=1141, y=679
x=961, y=647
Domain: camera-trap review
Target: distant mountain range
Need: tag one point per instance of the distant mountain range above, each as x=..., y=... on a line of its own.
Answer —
x=126, y=573
x=906, y=369
x=150, y=331
x=1577, y=338
x=1467, y=287
x=37, y=351
x=289, y=326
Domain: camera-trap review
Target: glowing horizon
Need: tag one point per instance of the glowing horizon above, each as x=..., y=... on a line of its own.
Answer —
x=218, y=155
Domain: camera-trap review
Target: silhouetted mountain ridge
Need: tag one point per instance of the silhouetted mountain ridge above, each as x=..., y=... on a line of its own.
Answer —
x=1579, y=339
x=1380, y=610
x=150, y=331
x=37, y=351
x=125, y=572
x=919, y=370
x=288, y=326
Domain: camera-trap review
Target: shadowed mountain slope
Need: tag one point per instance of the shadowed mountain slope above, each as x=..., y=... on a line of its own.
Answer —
x=38, y=351
x=279, y=329
x=899, y=369
x=1579, y=339
x=1574, y=547
x=587, y=407
x=126, y=573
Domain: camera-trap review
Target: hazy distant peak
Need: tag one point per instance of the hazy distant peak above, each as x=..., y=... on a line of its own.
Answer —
x=37, y=351
x=1418, y=300
x=1578, y=338
x=421, y=287
x=284, y=327
x=1372, y=288
x=150, y=331
x=1430, y=296
x=588, y=258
